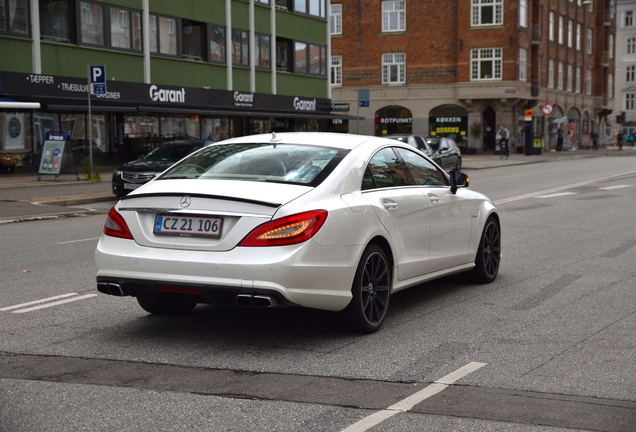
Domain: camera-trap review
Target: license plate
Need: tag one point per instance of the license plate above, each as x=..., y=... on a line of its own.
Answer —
x=188, y=226
x=131, y=185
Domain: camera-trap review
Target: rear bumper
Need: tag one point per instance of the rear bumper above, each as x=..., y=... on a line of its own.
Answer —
x=306, y=275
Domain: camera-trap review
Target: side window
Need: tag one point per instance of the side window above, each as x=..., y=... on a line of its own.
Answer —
x=444, y=145
x=424, y=172
x=387, y=170
x=412, y=141
x=419, y=143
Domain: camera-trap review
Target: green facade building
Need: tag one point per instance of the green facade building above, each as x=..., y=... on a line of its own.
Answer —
x=208, y=69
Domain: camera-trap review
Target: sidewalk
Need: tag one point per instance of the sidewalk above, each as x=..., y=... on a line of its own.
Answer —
x=24, y=198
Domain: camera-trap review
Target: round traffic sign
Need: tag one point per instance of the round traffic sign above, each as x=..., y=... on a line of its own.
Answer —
x=571, y=126
x=547, y=108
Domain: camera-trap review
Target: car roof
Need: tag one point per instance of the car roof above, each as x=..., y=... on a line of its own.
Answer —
x=327, y=139
x=184, y=142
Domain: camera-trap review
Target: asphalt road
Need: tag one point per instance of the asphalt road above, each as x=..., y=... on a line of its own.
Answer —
x=548, y=346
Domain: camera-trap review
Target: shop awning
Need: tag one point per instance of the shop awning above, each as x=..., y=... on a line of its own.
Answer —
x=221, y=112
x=13, y=104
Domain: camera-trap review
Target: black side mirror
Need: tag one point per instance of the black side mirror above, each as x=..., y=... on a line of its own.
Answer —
x=457, y=180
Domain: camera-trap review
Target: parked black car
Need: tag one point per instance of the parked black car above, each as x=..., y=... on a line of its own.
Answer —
x=131, y=175
x=413, y=140
x=445, y=152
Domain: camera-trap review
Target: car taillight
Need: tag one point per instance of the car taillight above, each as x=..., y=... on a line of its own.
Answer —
x=115, y=226
x=286, y=231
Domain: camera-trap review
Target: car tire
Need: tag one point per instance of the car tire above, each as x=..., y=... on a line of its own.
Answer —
x=371, y=291
x=162, y=307
x=458, y=167
x=488, y=255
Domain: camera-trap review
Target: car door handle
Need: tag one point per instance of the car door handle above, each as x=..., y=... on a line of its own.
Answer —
x=389, y=205
x=433, y=197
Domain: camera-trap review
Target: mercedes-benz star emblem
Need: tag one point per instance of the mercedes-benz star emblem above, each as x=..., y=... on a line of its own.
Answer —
x=185, y=201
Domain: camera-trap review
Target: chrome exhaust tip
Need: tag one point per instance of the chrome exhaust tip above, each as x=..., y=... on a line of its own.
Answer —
x=255, y=301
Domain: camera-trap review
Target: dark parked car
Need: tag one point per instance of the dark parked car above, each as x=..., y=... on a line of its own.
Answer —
x=131, y=175
x=415, y=141
x=445, y=152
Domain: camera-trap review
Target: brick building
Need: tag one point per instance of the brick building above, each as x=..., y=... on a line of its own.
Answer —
x=460, y=68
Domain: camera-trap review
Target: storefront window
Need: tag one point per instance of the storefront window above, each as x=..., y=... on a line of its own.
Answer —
x=393, y=120
x=217, y=129
x=217, y=44
x=55, y=23
x=14, y=17
x=15, y=132
x=92, y=23
x=75, y=126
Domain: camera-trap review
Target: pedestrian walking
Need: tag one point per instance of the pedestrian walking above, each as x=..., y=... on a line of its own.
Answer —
x=559, y=146
x=620, y=139
x=594, y=140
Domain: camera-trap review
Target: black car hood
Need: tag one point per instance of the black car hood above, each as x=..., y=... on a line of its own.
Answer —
x=141, y=165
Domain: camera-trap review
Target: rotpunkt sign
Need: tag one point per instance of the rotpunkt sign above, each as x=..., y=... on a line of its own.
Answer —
x=163, y=95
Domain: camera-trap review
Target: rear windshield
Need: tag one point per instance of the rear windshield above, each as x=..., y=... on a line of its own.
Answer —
x=281, y=163
x=170, y=152
x=433, y=143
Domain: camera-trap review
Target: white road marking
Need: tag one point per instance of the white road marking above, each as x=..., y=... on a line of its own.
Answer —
x=615, y=187
x=556, y=195
x=408, y=403
x=77, y=241
x=562, y=188
x=48, y=305
x=21, y=305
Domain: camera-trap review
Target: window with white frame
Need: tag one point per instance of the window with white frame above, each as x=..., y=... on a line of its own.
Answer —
x=629, y=18
x=588, y=82
x=569, y=78
x=550, y=73
x=631, y=45
x=560, y=76
x=486, y=64
x=611, y=46
x=630, y=102
x=577, y=82
x=610, y=85
x=393, y=68
x=551, y=27
x=578, y=37
x=486, y=12
x=523, y=13
x=523, y=64
x=335, y=23
x=393, y=16
x=561, y=25
x=336, y=70
x=570, y=32
x=590, y=6
x=630, y=73
x=590, y=40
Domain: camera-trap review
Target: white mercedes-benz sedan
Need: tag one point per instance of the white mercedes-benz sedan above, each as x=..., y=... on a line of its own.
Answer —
x=337, y=222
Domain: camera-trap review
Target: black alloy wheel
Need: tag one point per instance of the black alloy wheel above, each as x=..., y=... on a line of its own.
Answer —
x=162, y=307
x=371, y=291
x=488, y=255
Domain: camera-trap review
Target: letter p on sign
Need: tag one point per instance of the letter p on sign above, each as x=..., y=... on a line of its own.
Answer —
x=97, y=74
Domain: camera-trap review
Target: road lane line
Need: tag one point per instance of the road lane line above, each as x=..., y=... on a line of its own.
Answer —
x=48, y=305
x=408, y=403
x=77, y=241
x=554, y=195
x=562, y=188
x=615, y=187
x=21, y=305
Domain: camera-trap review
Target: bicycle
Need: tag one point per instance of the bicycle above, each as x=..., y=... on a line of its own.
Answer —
x=504, y=152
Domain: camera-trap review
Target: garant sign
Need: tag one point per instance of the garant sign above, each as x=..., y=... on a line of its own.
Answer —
x=163, y=95
x=304, y=104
